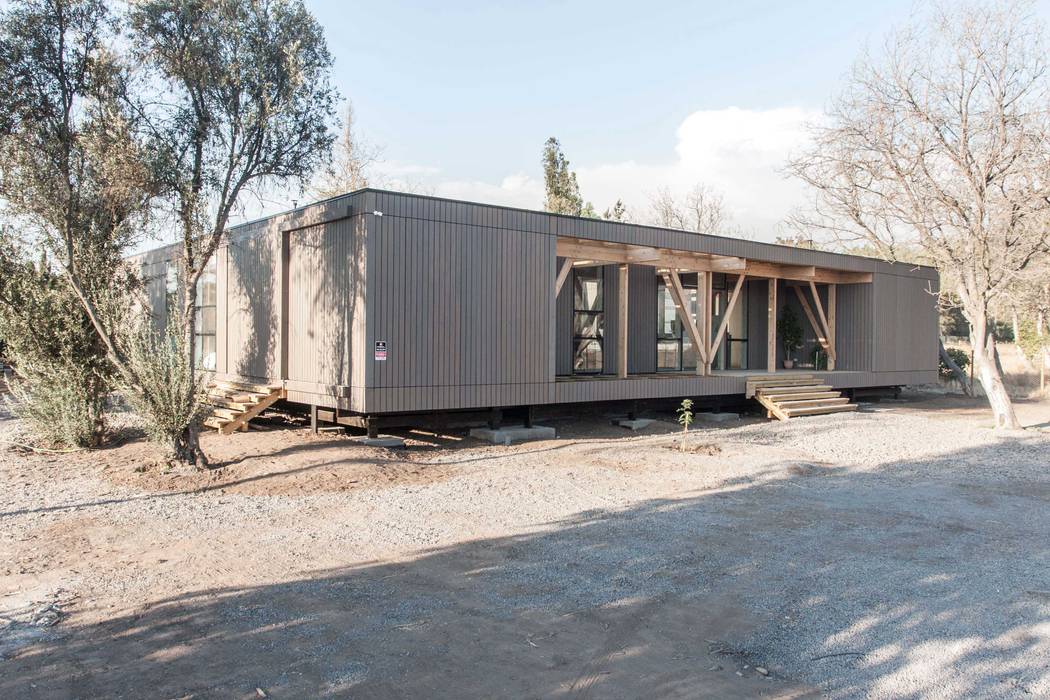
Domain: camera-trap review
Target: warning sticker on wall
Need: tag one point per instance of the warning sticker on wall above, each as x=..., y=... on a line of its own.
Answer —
x=381, y=350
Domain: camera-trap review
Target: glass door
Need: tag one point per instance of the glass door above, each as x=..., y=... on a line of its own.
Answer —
x=732, y=354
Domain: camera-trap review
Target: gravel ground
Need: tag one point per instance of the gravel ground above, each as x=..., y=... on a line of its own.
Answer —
x=900, y=552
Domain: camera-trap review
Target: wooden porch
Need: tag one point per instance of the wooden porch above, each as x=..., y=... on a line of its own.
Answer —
x=670, y=264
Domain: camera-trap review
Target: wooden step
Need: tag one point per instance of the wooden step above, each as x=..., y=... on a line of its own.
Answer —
x=818, y=410
x=236, y=395
x=225, y=402
x=811, y=403
x=227, y=413
x=215, y=422
x=782, y=379
x=802, y=388
x=264, y=389
x=802, y=395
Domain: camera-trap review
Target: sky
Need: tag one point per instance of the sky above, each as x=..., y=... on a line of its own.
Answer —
x=460, y=96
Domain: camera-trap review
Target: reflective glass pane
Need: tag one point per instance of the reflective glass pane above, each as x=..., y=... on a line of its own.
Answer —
x=587, y=289
x=689, y=359
x=667, y=354
x=587, y=356
x=588, y=325
x=738, y=354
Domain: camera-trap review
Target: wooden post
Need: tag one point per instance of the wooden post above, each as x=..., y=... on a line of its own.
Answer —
x=701, y=303
x=771, y=322
x=709, y=296
x=313, y=418
x=832, y=293
x=621, y=348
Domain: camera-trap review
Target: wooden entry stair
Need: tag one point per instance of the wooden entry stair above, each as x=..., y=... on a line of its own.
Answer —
x=790, y=395
x=235, y=403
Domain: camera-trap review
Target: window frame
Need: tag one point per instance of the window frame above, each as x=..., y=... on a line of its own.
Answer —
x=598, y=320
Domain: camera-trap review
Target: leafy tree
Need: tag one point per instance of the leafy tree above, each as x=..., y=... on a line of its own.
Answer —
x=944, y=144
x=63, y=374
x=77, y=186
x=617, y=212
x=563, y=192
x=243, y=98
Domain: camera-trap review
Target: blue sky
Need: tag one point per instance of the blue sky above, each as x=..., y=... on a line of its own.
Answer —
x=461, y=96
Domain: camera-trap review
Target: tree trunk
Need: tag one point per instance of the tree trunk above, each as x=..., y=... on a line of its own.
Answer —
x=187, y=448
x=988, y=373
x=963, y=380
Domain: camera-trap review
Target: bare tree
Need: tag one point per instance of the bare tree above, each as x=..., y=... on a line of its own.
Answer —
x=944, y=143
x=353, y=159
x=701, y=210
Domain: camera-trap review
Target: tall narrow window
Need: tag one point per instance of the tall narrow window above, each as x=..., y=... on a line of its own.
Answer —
x=674, y=346
x=204, y=344
x=588, y=319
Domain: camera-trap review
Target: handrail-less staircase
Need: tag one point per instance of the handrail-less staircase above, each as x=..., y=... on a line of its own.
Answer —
x=234, y=403
x=789, y=395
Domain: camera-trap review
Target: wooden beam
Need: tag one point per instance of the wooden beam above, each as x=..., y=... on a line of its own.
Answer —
x=709, y=280
x=729, y=312
x=832, y=293
x=674, y=285
x=771, y=322
x=621, y=348
x=563, y=274
x=823, y=319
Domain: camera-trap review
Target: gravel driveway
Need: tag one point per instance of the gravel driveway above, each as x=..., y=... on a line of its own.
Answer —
x=900, y=552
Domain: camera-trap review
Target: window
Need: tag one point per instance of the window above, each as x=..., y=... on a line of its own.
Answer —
x=732, y=354
x=674, y=345
x=204, y=342
x=588, y=319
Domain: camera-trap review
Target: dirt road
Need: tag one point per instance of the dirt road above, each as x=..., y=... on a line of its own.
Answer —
x=897, y=552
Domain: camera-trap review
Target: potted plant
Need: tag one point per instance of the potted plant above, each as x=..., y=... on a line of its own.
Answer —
x=789, y=330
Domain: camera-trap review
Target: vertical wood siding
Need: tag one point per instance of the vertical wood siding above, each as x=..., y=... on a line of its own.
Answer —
x=463, y=309
x=641, y=341
x=461, y=294
x=757, y=322
x=252, y=305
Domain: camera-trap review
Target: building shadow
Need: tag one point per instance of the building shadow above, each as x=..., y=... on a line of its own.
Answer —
x=917, y=580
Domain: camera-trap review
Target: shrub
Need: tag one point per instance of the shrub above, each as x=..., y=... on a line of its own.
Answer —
x=62, y=373
x=169, y=396
x=960, y=357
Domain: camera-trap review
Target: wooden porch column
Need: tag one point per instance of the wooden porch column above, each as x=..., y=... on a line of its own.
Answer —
x=831, y=324
x=621, y=347
x=708, y=303
x=771, y=322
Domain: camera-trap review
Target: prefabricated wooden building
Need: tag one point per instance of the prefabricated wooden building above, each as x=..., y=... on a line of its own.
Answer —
x=377, y=303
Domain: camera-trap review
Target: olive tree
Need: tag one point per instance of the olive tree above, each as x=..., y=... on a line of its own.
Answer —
x=242, y=99
x=73, y=185
x=942, y=142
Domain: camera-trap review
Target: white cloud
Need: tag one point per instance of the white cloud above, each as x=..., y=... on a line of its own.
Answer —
x=737, y=152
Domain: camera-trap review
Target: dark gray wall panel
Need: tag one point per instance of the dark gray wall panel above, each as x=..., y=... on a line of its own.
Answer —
x=757, y=323
x=641, y=341
x=459, y=305
x=854, y=326
x=253, y=306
